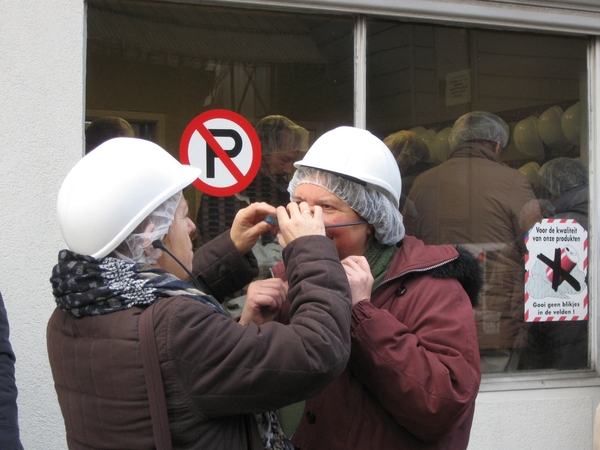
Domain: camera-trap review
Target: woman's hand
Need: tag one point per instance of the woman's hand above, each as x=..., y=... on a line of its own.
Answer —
x=263, y=301
x=249, y=224
x=298, y=220
x=359, y=277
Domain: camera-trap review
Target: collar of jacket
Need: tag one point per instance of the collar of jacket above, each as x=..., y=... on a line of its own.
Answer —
x=474, y=150
x=439, y=261
x=575, y=199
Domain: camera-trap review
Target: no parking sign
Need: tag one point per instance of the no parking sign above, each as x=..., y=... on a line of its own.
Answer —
x=225, y=146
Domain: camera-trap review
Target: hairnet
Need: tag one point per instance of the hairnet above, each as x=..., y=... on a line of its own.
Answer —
x=563, y=174
x=407, y=147
x=278, y=134
x=133, y=248
x=478, y=125
x=371, y=205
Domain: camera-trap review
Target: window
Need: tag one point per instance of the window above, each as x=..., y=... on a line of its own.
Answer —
x=175, y=61
x=421, y=78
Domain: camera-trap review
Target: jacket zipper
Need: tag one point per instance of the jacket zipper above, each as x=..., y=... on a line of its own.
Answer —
x=425, y=269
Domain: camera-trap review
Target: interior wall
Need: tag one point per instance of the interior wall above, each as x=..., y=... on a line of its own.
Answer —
x=408, y=65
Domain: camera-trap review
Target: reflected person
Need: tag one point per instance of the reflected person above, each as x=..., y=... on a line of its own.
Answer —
x=475, y=200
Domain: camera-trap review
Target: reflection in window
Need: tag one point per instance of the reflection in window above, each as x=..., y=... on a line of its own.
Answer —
x=179, y=60
x=289, y=75
x=485, y=179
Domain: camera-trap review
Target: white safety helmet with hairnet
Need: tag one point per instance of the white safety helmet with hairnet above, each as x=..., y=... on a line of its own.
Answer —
x=113, y=189
x=562, y=174
x=360, y=170
x=479, y=126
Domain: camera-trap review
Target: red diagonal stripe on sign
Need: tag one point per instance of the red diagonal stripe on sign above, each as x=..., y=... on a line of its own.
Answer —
x=224, y=157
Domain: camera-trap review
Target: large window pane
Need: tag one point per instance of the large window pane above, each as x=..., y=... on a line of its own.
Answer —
x=159, y=65
x=422, y=78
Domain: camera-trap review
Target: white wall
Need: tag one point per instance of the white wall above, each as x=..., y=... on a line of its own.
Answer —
x=41, y=104
x=540, y=419
x=41, y=134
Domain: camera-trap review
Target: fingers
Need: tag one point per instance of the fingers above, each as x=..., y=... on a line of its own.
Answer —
x=300, y=220
x=249, y=225
x=359, y=276
x=254, y=213
x=263, y=300
x=357, y=262
x=269, y=292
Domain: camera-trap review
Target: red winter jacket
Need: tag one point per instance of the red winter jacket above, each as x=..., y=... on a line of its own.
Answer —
x=414, y=369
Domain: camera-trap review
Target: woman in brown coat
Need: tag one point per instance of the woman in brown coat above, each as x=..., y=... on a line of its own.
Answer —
x=120, y=209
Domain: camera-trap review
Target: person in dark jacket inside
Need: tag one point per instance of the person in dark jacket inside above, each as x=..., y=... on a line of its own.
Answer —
x=561, y=345
x=414, y=368
x=124, y=219
x=9, y=421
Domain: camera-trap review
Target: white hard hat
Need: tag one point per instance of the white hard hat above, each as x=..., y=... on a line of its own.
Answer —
x=418, y=130
x=527, y=138
x=113, y=189
x=429, y=137
x=530, y=170
x=359, y=156
x=570, y=123
x=549, y=127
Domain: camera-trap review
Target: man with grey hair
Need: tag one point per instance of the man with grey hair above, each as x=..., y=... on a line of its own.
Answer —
x=475, y=200
x=282, y=144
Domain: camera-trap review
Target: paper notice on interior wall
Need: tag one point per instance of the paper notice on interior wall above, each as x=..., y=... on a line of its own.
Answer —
x=458, y=87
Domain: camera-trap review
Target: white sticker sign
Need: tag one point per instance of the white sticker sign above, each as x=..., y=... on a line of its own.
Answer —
x=556, y=272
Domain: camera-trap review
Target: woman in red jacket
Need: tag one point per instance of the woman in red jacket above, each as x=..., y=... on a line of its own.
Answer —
x=414, y=368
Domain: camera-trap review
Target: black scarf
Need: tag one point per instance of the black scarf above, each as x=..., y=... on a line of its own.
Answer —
x=86, y=286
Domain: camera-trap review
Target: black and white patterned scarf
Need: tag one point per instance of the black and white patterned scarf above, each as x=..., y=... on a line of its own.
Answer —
x=86, y=286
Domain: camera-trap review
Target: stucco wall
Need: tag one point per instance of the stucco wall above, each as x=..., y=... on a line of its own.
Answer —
x=41, y=99
x=41, y=135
